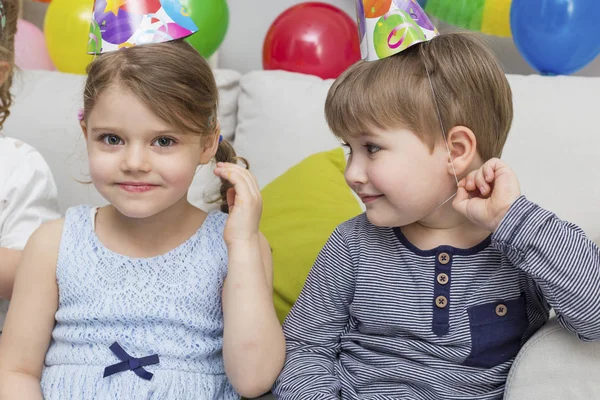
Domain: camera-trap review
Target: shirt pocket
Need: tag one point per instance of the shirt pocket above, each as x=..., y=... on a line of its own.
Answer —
x=497, y=330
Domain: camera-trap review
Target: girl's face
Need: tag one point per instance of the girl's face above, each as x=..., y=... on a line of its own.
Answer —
x=139, y=163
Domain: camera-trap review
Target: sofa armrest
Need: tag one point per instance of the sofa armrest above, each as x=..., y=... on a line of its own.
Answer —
x=555, y=365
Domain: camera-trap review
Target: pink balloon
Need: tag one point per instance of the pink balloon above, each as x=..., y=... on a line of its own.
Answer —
x=30, y=47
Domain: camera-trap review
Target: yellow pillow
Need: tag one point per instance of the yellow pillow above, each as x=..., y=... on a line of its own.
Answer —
x=300, y=210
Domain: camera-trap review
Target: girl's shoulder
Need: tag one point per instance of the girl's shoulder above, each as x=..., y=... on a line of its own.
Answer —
x=45, y=241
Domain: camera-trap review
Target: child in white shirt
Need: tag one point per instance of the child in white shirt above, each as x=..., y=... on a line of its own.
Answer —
x=27, y=190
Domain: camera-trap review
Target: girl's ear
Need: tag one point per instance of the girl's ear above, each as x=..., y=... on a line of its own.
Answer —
x=83, y=128
x=211, y=145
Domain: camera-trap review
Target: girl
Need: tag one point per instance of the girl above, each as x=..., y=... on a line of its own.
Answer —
x=27, y=190
x=148, y=297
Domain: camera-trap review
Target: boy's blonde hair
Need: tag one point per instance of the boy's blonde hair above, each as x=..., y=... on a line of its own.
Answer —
x=7, y=53
x=173, y=81
x=470, y=88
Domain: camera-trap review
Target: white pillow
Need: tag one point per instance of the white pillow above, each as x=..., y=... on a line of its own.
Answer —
x=281, y=121
x=44, y=115
x=553, y=145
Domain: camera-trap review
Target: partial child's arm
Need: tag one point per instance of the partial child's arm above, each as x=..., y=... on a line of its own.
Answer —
x=30, y=318
x=253, y=343
x=314, y=327
x=557, y=255
x=562, y=261
x=31, y=200
x=9, y=259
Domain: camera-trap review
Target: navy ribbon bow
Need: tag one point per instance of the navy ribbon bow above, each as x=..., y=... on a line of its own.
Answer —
x=130, y=363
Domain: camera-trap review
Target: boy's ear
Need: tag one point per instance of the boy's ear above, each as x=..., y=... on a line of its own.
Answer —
x=463, y=149
x=5, y=68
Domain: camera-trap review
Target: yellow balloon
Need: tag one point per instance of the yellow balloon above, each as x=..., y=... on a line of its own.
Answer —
x=67, y=27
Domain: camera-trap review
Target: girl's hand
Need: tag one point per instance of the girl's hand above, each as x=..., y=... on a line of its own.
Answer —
x=485, y=195
x=244, y=201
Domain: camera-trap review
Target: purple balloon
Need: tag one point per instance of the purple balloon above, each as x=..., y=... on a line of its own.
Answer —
x=412, y=8
x=116, y=29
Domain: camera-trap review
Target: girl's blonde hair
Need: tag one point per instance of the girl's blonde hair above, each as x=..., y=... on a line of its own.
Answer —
x=10, y=14
x=174, y=81
x=470, y=88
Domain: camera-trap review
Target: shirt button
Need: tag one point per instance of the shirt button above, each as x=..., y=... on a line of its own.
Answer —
x=441, y=301
x=444, y=258
x=442, y=279
x=501, y=310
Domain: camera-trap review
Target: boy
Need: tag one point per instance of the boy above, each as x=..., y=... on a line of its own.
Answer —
x=432, y=292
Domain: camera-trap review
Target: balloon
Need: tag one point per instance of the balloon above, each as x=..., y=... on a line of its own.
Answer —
x=30, y=47
x=312, y=38
x=210, y=16
x=487, y=16
x=67, y=28
x=556, y=36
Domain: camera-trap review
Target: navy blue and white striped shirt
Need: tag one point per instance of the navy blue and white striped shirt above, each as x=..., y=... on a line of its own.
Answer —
x=380, y=319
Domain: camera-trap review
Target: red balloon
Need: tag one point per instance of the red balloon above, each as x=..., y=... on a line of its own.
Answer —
x=312, y=38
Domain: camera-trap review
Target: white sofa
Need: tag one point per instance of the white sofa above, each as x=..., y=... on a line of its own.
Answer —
x=276, y=119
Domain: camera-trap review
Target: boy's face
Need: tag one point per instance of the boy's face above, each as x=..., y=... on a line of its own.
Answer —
x=397, y=176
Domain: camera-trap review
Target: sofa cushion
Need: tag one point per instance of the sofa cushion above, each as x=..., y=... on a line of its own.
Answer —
x=281, y=121
x=44, y=114
x=301, y=209
x=555, y=365
x=553, y=144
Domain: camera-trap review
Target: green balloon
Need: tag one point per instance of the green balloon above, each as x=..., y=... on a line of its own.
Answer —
x=212, y=19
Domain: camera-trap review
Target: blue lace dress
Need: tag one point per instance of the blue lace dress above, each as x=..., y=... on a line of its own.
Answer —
x=157, y=323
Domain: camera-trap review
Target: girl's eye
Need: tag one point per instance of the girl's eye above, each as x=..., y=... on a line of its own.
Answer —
x=372, y=149
x=111, y=140
x=164, y=142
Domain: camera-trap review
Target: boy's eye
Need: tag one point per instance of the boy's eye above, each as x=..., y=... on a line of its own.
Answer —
x=371, y=148
x=163, y=142
x=111, y=140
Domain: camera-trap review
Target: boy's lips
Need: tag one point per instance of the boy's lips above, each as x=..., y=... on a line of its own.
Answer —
x=368, y=198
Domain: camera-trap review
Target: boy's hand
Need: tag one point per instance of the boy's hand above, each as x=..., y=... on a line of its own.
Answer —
x=485, y=195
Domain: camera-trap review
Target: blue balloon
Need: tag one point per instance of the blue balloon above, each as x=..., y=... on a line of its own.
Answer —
x=556, y=37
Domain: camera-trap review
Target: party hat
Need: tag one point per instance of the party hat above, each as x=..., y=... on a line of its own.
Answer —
x=387, y=27
x=117, y=24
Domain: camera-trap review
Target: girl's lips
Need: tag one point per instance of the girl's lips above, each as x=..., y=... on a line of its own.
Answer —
x=135, y=187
